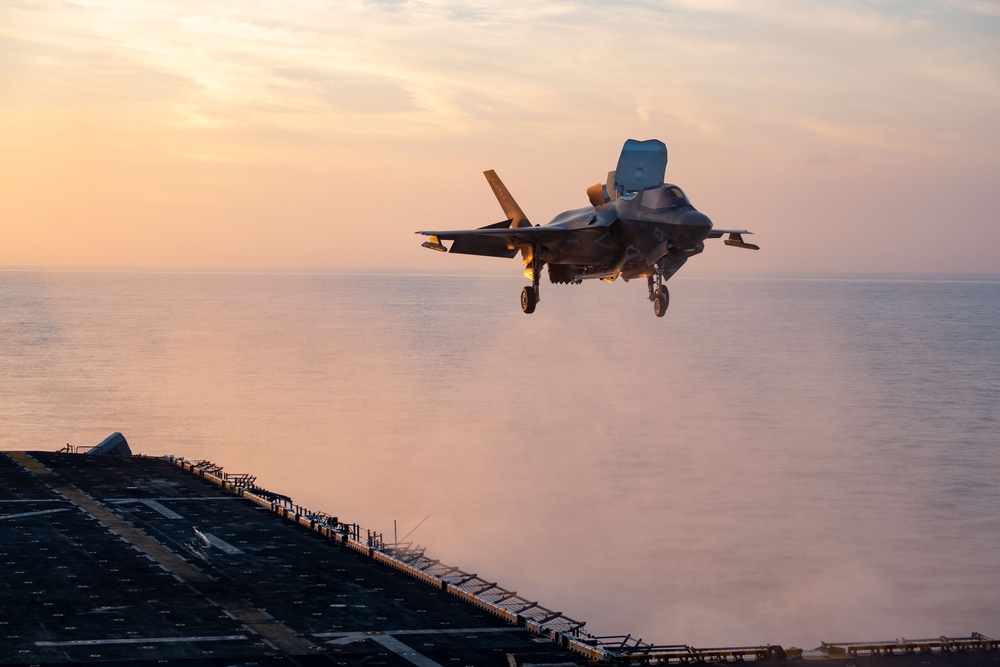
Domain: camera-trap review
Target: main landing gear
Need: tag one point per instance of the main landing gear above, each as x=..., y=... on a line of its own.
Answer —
x=529, y=299
x=529, y=295
x=658, y=294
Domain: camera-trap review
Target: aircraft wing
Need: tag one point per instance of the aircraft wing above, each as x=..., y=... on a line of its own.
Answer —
x=492, y=241
x=735, y=238
x=518, y=235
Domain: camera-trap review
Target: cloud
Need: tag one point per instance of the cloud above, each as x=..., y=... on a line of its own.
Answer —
x=982, y=7
x=642, y=112
x=434, y=66
x=426, y=85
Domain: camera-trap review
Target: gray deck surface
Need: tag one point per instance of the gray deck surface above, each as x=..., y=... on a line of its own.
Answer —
x=107, y=559
x=132, y=561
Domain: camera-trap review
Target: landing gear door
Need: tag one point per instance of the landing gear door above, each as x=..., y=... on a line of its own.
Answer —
x=641, y=166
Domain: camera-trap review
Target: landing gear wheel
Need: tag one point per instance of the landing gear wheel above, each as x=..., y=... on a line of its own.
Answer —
x=661, y=301
x=528, y=300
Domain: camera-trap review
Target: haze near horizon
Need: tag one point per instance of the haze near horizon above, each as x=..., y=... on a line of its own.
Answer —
x=857, y=136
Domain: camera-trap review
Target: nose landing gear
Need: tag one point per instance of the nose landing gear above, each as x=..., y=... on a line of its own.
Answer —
x=658, y=294
x=661, y=301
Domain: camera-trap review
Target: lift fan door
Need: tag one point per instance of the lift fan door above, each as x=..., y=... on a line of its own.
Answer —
x=641, y=166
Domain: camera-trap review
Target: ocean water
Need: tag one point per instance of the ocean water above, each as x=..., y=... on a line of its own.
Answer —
x=787, y=459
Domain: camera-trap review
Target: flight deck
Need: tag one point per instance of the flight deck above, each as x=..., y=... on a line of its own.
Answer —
x=140, y=560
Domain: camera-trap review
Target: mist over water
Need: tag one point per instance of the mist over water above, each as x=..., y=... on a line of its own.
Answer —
x=785, y=459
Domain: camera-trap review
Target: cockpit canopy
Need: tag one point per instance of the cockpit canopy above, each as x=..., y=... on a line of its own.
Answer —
x=664, y=198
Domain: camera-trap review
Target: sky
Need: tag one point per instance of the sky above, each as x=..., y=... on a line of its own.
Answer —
x=848, y=136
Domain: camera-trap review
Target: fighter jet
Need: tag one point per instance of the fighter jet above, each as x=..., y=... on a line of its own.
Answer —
x=636, y=226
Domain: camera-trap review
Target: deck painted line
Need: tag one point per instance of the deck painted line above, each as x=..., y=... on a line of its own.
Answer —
x=218, y=543
x=165, y=511
x=144, y=640
x=455, y=631
x=23, y=514
x=247, y=614
x=120, y=501
x=389, y=642
x=428, y=631
x=404, y=651
x=35, y=500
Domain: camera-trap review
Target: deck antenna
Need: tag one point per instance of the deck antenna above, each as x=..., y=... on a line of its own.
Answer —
x=395, y=538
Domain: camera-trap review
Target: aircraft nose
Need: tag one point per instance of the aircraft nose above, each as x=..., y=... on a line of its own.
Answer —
x=694, y=218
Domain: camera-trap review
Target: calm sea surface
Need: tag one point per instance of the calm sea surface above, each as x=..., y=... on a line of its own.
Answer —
x=781, y=459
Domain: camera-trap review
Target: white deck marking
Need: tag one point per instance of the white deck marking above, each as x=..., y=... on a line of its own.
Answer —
x=427, y=631
x=386, y=641
x=144, y=640
x=158, y=553
x=35, y=500
x=119, y=501
x=165, y=511
x=404, y=651
x=454, y=631
x=218, y=543
x=17, y=516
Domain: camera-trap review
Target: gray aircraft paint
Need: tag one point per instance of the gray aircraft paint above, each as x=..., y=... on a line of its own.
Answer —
x=637, y=226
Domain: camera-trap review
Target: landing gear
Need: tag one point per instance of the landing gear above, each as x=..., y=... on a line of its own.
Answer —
x=529, y=295
x=658, y=293
x=661, y=301
x=529, y=299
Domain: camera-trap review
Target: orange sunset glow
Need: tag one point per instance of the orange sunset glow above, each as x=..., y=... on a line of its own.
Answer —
x=851, y=136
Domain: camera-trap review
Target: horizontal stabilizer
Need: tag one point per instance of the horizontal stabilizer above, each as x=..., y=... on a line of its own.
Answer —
x=488, y=246
x=485, y=246
x=736, y=240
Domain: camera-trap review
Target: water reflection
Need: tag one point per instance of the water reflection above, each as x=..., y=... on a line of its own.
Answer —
x=778, y=460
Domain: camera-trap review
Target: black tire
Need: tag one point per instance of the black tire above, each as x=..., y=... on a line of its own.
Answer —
x=528, y=300
x=661, y=302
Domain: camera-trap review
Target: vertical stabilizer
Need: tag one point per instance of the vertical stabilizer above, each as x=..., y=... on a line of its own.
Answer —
x=507, y=203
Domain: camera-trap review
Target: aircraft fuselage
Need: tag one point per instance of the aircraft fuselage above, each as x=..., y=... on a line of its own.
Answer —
x=625, y=237
x=637, y=226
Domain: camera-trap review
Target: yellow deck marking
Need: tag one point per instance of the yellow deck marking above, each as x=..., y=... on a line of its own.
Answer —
x=267, y=627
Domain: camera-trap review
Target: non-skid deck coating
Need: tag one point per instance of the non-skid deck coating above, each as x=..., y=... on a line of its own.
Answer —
x=107, y=559
x=135, y=561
